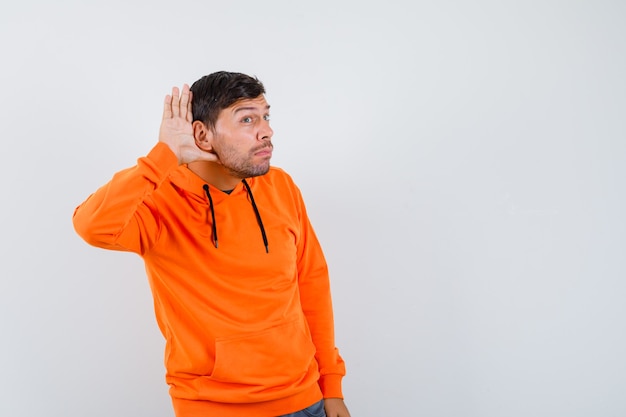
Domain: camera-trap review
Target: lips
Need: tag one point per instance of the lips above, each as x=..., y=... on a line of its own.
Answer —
x=265, y=151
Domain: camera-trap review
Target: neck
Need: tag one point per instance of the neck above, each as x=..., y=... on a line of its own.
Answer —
x=214, y=174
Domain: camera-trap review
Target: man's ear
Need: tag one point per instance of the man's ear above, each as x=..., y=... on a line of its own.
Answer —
x=203, y=136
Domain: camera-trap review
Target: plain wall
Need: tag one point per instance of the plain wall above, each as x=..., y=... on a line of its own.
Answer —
x=463, y=163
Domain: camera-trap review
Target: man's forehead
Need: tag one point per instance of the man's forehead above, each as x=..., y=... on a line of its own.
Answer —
x=258, y=103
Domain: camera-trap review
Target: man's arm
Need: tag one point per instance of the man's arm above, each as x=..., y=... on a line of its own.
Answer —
x=121, y=215
x=315, y=297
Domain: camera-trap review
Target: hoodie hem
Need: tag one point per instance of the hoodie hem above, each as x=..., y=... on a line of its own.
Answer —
x=202, y=408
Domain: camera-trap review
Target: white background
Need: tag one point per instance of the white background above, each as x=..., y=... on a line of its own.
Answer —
x=463, y=163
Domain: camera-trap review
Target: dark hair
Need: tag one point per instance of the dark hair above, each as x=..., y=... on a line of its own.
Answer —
x=215, y=92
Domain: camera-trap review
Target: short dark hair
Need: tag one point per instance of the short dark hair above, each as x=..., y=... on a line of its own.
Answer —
x=215, y=92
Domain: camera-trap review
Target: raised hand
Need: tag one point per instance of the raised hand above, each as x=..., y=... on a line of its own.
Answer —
x=176, y=129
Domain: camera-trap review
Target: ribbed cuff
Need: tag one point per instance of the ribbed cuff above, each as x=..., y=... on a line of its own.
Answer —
x=163, y=157
x=331, y=386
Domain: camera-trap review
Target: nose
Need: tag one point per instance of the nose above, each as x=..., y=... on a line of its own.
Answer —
x=265, y=132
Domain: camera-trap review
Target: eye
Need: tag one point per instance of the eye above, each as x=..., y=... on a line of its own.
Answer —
x=267, y=117
x=247, y=120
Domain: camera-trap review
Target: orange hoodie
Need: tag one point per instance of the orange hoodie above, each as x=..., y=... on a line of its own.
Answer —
x=248, y=331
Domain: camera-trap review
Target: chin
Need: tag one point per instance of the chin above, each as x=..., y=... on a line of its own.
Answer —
x=261, y=171
x=250, y=172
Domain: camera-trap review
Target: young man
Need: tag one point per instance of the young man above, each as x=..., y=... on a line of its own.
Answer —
x=239, y=280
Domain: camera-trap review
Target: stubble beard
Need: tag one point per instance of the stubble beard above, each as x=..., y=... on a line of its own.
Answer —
x=243, y=166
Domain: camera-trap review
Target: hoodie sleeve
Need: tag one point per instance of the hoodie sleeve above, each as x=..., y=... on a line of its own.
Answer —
x=121, y=214
x=316, y=302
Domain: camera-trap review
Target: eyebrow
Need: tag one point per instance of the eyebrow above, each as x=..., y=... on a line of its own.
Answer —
x=249, y=108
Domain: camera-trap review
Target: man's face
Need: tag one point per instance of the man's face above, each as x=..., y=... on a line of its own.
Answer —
x=243, y=138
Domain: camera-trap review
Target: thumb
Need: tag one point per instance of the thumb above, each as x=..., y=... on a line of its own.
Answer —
x=208, y=156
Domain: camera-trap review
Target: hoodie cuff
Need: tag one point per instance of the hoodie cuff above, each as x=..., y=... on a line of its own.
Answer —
x=331, y=386
x=163, y=157
x=158, y=164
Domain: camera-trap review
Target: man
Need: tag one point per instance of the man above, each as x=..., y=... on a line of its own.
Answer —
x=238, y=277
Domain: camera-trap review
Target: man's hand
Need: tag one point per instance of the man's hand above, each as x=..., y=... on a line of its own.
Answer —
x=335, y=407
x=176, y=130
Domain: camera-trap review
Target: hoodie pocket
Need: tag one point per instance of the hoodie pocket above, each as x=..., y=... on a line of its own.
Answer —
x=274, y=357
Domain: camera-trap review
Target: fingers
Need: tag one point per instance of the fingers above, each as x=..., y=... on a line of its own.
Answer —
x=189, y=112
x=175, y=102
x=178, y=104
x=167, y=107
x=185, y=100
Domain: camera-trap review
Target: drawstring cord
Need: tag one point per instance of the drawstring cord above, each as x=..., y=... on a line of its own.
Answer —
x=256, y=213
x=214, y=226
x=258, y=216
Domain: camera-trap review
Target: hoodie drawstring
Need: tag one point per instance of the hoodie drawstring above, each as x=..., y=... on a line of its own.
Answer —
x=214, y=226
x=256, y=213
x=258, y=216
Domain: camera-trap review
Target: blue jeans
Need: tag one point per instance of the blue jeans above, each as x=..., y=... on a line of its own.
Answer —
x=316, y=410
